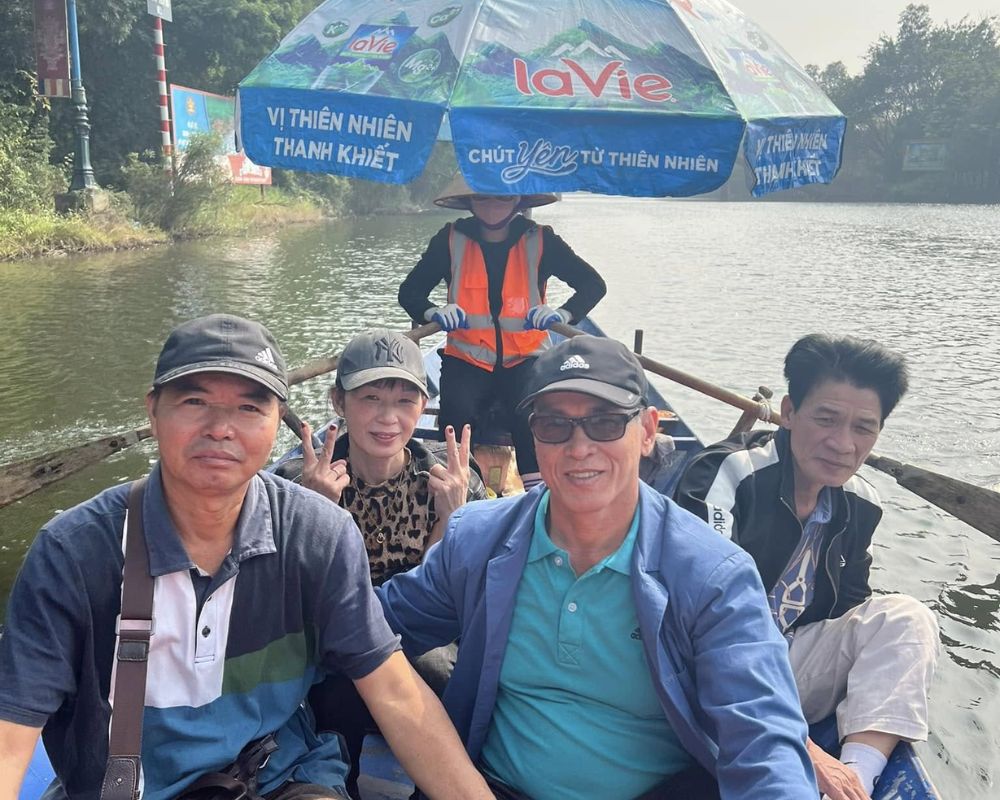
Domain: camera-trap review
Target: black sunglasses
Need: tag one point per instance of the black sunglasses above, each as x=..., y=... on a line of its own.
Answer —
x=550, y=429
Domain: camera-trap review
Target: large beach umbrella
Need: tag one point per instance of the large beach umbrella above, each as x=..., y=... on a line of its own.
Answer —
x=633, y=97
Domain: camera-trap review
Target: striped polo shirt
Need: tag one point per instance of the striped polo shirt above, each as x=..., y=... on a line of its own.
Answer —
x=292, y=599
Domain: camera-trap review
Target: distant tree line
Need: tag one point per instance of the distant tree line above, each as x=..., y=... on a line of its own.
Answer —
x=937, y=84
x=927, y=84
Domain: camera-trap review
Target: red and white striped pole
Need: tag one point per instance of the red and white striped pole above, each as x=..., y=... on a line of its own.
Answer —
x=161, y=82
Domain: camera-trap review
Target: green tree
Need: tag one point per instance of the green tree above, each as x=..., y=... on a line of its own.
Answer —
x=213, y=45
x=27, y=180
x=938, y=82
x=210, y=46
x=834, y=79
x=186, y=203
x=926, y=82
x=16, y=51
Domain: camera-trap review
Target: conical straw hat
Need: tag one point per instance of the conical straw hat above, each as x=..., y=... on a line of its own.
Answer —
x=457, y=194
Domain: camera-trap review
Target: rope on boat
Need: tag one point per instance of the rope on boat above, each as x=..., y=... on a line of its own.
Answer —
x=764, y=410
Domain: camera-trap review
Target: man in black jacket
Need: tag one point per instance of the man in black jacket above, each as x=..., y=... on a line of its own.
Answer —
x=791, y=498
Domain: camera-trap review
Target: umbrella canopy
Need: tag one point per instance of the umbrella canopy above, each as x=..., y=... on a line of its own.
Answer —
x=633, y=97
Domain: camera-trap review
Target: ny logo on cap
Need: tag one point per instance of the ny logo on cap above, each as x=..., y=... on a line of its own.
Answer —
x=574, y=362
x=388, y=350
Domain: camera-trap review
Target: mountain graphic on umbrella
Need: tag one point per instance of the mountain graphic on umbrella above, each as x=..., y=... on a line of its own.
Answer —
x=631, y=97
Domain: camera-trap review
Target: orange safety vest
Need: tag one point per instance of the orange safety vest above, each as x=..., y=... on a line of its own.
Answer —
x=469, y=288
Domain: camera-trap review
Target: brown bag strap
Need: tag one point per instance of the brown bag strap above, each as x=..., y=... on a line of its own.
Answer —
x=135, y=626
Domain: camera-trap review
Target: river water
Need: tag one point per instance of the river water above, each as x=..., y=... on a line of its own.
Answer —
x=721, y=290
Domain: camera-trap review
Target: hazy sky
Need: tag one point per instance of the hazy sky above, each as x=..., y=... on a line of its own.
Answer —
x=818, y=31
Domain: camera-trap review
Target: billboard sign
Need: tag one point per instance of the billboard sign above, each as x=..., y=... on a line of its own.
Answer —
x=160, y=8
x=194, y=111
x=925, y=157
x=244, y=171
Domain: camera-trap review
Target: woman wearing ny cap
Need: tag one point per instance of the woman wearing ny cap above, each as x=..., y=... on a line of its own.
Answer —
x=496, y=265
x=399, y=491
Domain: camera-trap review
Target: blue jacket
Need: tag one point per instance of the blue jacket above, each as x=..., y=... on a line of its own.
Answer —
x=719, y=665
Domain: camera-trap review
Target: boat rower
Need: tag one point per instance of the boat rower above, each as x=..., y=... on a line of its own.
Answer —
x=496, y=265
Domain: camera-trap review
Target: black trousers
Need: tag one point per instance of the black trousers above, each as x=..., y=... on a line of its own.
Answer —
x=468, y=393
x=693, y=783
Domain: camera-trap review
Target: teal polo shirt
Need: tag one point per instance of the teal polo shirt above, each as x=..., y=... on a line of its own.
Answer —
x=576, y=714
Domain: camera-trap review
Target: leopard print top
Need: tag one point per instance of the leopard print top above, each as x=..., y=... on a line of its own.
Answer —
x=395, y=518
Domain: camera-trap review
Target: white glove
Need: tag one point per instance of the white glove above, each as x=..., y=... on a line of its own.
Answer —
x=544, y=317
x=449, y=317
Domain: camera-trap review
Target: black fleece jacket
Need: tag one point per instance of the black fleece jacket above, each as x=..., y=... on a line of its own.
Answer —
x=744, y=488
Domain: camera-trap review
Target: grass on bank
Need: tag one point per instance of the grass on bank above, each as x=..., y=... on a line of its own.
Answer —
x=32, y=233
x=196, y=201
x=240, y=209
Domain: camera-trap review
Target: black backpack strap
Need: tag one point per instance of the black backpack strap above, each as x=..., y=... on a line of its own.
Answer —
x=134, y=628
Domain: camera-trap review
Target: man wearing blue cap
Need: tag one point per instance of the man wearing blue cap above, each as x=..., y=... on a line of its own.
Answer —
x=611, y=645
x=257, y=586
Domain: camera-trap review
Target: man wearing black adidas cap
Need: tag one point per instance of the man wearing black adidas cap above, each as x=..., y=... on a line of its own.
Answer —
x=258, y=586
x=610, y=644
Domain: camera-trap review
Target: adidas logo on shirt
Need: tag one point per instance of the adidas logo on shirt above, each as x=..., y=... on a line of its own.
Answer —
x=266, y=358
x=574, y=362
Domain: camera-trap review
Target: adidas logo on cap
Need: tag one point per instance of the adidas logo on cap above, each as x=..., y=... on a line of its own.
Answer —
x=574, y=362
x=266, y=358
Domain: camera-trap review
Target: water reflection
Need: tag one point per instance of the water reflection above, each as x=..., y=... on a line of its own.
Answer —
x=977, y=606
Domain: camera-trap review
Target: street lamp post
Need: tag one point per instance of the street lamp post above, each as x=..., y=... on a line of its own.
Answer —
x=83, y=172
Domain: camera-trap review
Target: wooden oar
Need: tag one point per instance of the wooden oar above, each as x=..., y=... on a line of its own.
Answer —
x=974, y=505
x=685, y=379
x=22, y=478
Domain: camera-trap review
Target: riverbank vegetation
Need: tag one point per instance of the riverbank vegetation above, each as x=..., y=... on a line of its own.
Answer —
x=211, y=46
x=31, y=233
x=198, y=200
x=923, y=126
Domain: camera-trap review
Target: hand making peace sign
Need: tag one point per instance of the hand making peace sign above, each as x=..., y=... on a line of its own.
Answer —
x=319, y=473
x=449, y=485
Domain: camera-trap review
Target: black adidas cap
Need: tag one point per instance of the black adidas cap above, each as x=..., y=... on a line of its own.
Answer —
x=593, y=365
x=223, y=343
